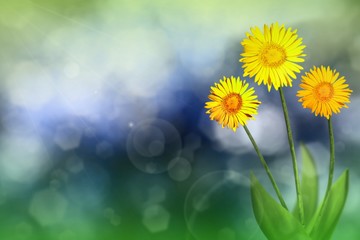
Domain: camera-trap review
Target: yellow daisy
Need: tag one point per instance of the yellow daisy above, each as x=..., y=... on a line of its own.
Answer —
x=271, y=56
x=323, y=92
x=232, y=102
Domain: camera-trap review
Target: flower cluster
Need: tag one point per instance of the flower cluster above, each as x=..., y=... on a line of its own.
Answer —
x=272, y=57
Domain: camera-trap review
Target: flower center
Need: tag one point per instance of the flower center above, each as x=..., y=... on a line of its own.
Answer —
x=272, y=55
x=232, y=103
x=324, y=91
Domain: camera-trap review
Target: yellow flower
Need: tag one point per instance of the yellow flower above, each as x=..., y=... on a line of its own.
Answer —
x=272, y=55
x=323, y=92
x=232, y=102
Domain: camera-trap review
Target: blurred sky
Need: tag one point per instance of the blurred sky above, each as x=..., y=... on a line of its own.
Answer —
x=102, y=124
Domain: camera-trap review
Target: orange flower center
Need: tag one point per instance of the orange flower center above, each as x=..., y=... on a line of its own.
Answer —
x=324, y=91
x=232, y=103
x=272, y=55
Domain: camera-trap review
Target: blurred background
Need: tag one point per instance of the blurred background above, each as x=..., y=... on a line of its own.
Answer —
x=103, y=131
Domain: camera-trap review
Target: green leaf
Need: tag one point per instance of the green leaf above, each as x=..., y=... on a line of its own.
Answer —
x=322, y=226
x=309, y=185
x=274, y=220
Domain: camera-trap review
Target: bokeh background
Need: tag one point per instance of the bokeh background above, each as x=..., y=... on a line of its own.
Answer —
x=103, y=134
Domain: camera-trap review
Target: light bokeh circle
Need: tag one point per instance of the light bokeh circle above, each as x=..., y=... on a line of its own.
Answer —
x=179, y=169
x=152, y=144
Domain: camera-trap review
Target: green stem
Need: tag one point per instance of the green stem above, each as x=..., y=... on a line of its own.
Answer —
x=331, y=170
x=267, y=169
x=293, y=155
x=332, y=157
